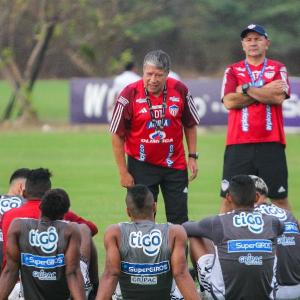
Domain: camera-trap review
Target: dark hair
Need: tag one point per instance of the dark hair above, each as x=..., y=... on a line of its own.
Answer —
x=242, y=190
x=139, y=200
x=129, y=66
x=37, y=183
x=18, y=174
x=55, y=203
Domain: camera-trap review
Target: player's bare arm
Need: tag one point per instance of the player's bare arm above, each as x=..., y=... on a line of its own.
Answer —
x=126, y=179
x=180, y=272
x=109, y=279
x=191, y=140
x=237, y=100
x=272, y=93
x=72, y=262
x=10, y=274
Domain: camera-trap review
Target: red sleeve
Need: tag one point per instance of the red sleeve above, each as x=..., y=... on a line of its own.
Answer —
x=190, y=116
x=70, y=216
x=121, y=117
x=229, y=82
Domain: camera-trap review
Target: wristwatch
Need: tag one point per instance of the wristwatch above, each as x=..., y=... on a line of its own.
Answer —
x=245, y=88
x=194, y=155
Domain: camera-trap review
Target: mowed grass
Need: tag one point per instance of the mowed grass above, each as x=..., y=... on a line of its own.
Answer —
x=82, y=163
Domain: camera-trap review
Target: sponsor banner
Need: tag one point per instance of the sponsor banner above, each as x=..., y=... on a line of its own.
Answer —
x=92, y=101
x=249, y=246
x=145, y=269
x=42, y=262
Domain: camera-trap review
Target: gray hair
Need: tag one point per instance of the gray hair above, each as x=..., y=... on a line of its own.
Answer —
x=159, y=59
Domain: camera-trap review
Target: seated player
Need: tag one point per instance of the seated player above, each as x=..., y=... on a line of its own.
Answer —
x=235, y=252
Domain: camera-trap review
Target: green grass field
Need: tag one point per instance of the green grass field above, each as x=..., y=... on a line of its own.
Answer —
x=82, y=163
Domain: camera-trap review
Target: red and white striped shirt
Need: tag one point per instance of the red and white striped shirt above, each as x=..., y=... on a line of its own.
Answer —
x=132, y=119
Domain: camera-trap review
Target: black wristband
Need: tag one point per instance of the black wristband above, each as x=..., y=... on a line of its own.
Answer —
x=194, y=155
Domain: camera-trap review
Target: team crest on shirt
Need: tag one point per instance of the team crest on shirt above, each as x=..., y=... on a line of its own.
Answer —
x=174, y=99
x=173, y=109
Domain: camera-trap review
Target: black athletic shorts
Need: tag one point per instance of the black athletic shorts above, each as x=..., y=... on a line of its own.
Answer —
x=266, y=160
x=172, y=182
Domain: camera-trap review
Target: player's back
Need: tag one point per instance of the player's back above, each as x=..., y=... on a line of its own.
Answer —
x=145, y=261
x=42, y=247
x=245, y=254
x=288, y=245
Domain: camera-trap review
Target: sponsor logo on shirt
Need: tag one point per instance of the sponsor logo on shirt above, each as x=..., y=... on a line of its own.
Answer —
x=145, y=269
x=143, y=280
x=42, y=262
x=7, y=203
x=281, y=189
x=250, y=260
x=46, y=240
x=245, y=115
x=169, y=161
x=291, y=227
x=286, y=241
x=173, y=109
x=269, y=125
x=157, y=135
x=42, y=275
x=141, y=100
x=272, y=210
x=143, y=110
x=174, y=99
x=151, y=124
x=142, y=153
x=253, y=221
x=249, y=246
x=150, y=243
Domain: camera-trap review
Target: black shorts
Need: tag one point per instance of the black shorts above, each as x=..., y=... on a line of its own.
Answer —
x=266, y=160
x=172, y=182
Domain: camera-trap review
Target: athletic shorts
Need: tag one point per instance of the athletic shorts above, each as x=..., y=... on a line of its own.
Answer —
x=266, y=160
x=85, y=274
x=291, y=292
x=205, y=277
x=172, y=182
x=17, y=292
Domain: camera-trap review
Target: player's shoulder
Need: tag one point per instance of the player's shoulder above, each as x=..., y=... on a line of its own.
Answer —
x=237, y=65
x=174, y=84
x=275, y=63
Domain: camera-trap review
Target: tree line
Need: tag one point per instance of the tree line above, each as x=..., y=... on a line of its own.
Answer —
x=64, y=38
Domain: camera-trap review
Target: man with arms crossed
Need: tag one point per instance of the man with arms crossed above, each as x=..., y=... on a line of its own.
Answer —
x=148, y=122
x=253, y=91
x=143, y=256
x=288, y=244
x=235, y=252
x=47, y=253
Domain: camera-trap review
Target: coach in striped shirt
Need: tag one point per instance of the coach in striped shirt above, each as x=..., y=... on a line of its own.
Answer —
x=148, y=123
